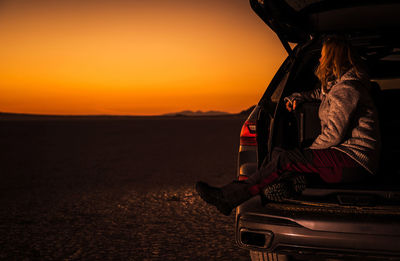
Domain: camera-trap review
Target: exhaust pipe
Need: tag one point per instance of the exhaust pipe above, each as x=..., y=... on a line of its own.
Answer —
x=255, y=238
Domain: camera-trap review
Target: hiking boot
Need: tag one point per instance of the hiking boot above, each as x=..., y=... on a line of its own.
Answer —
x=278, y=191
x=288, y=186
x=297, y=180
x=299, y=183
x=225, y=198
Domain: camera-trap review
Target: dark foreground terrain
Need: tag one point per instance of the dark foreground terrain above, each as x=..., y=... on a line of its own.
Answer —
x=115, y=188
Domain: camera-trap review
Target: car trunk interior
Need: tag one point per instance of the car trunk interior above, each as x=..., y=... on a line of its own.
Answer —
x=300, y=128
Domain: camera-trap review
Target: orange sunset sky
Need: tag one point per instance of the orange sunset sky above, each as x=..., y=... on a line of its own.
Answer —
x=133, y=57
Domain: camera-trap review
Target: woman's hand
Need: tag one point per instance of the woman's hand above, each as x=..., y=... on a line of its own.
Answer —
x=291, y=106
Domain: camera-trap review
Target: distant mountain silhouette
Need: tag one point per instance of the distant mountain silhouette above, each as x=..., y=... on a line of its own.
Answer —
x=196, y=113
x=247, y=111
x=181, y=113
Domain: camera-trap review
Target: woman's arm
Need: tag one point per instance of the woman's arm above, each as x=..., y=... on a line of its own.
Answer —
x=294, y=99
x=342, y=100
x=312, y=95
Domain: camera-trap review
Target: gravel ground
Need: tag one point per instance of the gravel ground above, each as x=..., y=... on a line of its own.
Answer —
x=115, y=188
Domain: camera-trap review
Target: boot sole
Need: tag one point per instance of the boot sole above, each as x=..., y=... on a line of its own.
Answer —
x=299, y=183
x=278, y=192
x=287, y=188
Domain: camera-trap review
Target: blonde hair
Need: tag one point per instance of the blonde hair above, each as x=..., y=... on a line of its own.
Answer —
x=337, y=56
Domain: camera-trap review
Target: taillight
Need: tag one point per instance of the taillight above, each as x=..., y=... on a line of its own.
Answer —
x=248, y=134
x=242, y=177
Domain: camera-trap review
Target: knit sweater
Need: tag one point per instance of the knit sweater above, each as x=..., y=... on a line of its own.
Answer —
x=349, y=120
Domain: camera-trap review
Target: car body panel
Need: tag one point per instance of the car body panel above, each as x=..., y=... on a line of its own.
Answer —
x=296, y=21
x=296, y=228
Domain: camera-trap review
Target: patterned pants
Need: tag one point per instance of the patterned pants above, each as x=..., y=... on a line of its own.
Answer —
x=332, y=166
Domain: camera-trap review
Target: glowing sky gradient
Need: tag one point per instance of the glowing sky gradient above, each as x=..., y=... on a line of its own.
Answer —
x=133, y=57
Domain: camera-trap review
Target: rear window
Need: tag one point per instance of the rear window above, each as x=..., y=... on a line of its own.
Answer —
x=385, y=67
x=388, y=84
x=393, y=56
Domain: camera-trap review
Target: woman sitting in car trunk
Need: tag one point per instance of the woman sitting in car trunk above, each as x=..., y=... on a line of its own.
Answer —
x=346, y=150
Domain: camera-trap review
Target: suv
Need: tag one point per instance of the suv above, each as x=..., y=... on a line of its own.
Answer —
x=336, y=221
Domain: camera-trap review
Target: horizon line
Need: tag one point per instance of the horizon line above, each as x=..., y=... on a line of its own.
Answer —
x=173, y=114
x=180, y=113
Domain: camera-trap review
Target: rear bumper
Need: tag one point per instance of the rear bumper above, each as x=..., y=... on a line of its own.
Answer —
x=298, y=233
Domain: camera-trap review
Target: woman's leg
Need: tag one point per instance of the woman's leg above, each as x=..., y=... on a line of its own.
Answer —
x=235, y=193
x=281, y=160
x=329, y=164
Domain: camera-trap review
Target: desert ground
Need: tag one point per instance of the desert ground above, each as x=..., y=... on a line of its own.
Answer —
x=115, y=188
